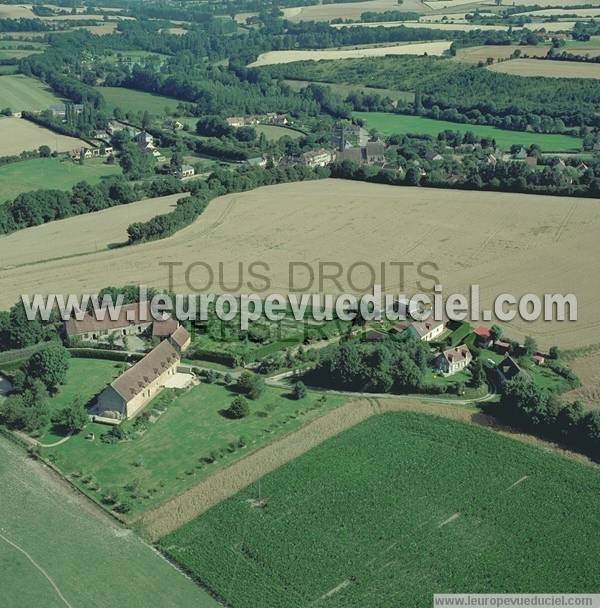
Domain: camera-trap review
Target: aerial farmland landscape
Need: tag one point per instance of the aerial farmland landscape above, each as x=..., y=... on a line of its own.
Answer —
x=299, y=303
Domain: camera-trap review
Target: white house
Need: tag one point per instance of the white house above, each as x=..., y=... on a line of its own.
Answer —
x=454, y=360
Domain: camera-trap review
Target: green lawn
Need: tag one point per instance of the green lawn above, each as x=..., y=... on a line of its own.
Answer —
x=273, y=132
x=169, y=457
x=137, y=101
x=85, y=379
x=19, y=93
x=61, y=174
x=15, y=53
x=90, y=560
x=395, y=509
x=390, y=124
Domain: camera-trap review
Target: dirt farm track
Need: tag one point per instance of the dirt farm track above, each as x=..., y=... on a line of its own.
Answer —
x=506, y=243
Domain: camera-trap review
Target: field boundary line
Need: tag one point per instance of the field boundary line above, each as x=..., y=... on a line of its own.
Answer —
x=183, y=508
x=229, y=481
x=54, y=585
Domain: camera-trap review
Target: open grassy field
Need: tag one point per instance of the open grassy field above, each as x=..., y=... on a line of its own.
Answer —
x=549, y=69
x=560, y=12
x=79, y=234
x=389, y=124
x=273, y=132
x=418, y=48
x=346, y=89
x=19, y=92
x=49, y=173
x=393, y=510
x=169, y=457
x=18, y=135
x=85, y=379
x=57, y=551
x=509, y=243
x=137, y=101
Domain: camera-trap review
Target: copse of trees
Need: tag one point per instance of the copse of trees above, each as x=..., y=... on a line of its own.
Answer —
x=42, y=206
x=528, y=406
x=396, y=364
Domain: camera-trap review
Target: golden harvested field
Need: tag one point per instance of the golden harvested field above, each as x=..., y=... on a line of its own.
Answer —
x=587, y=369
x=348, y=10
x=549, y=12
x=14, y=11
x=459, y=27
x=80, y=234
x=549, y=69
x=475, y=54
x=18, y=135
x=419, y=48
x=506, y=243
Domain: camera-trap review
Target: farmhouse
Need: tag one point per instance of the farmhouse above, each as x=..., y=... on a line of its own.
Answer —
x=483, y=336
x=133, y=319
x=372, y=153
x=507, y=369
x=454, y=360
x=426, y=330
x=133, y=389
x=185, y=171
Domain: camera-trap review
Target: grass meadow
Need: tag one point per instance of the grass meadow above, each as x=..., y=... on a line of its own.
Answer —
x=137, y=101
x=395, y=509
x=19, y=93
x=390, y=124
x=50, y=173
x=88, y=558
x=169, y=456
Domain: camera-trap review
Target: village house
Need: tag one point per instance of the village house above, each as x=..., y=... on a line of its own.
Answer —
x=454, y=360
x=426, y=330
x=316, y=158
x=538, y=359
x=185, y=171
x=273, y=118
x=483, y=337
x=501, y=347
x=372, y=153
x=507, y=369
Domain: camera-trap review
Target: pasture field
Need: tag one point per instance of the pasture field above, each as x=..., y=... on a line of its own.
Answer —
x=137, y=101
x=80, y=234
x=397, y=508
x=169, y=457
x=72, y=545
x=19, y=135
x=514, y=244
x=19, y=92
x=15, y=53
x=346, y=89
x=418, y=48
x=549, y=69
x=273, y=132
x=389, y=124
x=50, y=173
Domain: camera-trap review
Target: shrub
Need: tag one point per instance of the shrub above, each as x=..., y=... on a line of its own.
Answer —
x=239, y=408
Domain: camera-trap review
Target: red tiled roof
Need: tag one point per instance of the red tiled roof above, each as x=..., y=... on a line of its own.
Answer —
x=482, y=332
